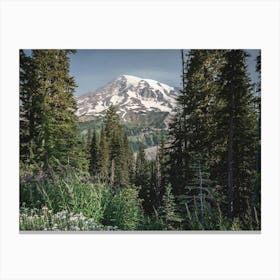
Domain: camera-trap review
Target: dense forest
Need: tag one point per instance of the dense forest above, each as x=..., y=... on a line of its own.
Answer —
x=207, y=170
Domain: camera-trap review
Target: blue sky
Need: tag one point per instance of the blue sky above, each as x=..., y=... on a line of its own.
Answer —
x=95, y=68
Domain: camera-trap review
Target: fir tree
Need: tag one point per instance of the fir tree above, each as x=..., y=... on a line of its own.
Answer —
x=94, y=155
x=160, y=171
x=89, y=139
x=170, y=218
x=142, y=179
x=258, y=104
x=31, y=111
x=26, y=125
x=194, y=128
x=104, y=160
x=237, y=129
x=257, y=190
x=114, y=156
x=51, y=106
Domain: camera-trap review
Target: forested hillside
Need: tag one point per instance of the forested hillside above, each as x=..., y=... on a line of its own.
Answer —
x=206, y=174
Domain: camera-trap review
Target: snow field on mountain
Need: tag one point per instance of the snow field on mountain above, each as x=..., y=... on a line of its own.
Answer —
x=128, y=93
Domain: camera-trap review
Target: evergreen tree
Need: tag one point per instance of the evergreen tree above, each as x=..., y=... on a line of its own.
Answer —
x=118, y=147
x=124, y=159
x=49, y=88
x=31, y=113
x=104, y=160
x=258, y=104
x=114, y=156
x=89, y=139
x=216, y=120
x=236, y=120
x=160, y=172
x=84, y=143
x=142, y=179
x=25, y=91
x=257, y=189
x=94, y=155
x=194, y=128
x=170, y=218
x=177, y=162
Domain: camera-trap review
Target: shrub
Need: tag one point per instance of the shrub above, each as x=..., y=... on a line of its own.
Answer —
x=124, y=210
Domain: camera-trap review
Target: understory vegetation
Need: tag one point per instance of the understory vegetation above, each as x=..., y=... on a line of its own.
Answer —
x=68, y=200
x=206, y=174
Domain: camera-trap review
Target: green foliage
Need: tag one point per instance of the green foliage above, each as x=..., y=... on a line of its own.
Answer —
x=75, y=193
x=141, y=178
x=125, y=209
x=48, y=125
x=257, y=189
x=110, y=157
x=167, y=211
x=217, y=120
x=194, y=126
x=237, y=122
x=214, y=219
x=94, y=165
x=61, y=191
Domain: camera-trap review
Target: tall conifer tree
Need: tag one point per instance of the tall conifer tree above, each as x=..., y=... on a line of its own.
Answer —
x=94, y=155
x=257, y=192
x=194, y=128
x=104, y=160
x=237, y=129
x=51, y=106
x=114, y=152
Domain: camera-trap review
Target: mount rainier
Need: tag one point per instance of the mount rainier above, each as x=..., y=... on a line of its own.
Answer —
x=136, y=100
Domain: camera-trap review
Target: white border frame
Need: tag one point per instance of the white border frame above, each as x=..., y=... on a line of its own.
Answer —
x=139, y=24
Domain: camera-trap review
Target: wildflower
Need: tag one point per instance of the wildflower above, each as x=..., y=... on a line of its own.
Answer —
x=76, y=228
x=26, y=178
x=82, y=218
x=73, y=219
x=55, y=226
x=41, y=177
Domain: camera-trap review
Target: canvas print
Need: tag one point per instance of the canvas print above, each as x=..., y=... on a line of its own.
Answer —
x=140, y=140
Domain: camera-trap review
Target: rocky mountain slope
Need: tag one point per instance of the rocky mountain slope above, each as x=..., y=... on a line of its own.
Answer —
x=136, y=99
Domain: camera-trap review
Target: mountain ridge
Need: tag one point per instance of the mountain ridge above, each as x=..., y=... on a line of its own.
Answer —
x=132, y=96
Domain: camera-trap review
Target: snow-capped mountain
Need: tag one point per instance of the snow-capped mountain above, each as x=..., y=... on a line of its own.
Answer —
x=131, y=96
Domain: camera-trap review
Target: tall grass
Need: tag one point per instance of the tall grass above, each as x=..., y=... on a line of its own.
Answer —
x=212, y=218
x=76, y=193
